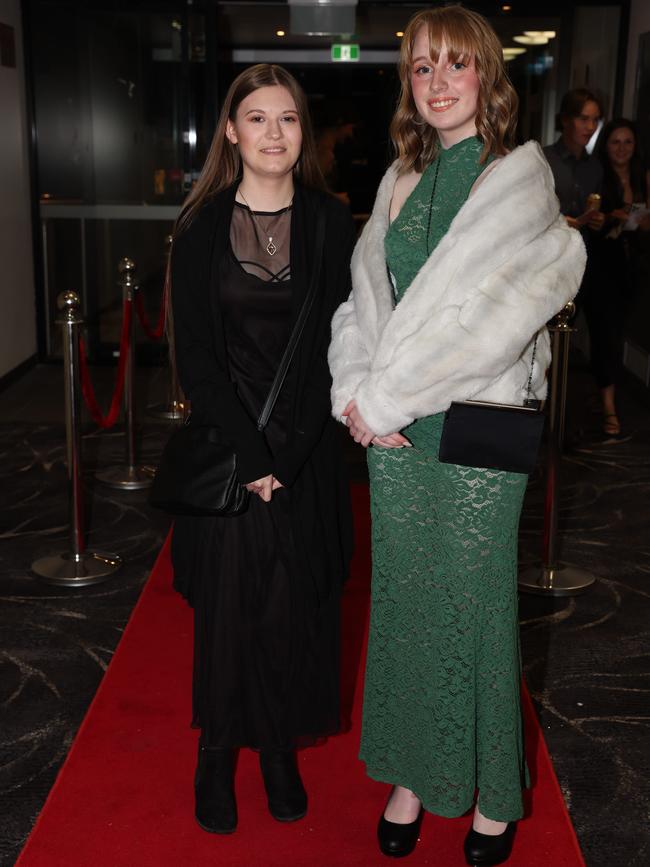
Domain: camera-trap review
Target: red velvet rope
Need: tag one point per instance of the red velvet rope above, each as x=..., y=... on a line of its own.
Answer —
x=152, y=333
x=87, y=390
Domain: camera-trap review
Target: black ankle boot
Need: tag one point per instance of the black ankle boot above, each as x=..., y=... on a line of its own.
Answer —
x=214, y=787
x=487, y=850
x=398, y=840
x=284, y=788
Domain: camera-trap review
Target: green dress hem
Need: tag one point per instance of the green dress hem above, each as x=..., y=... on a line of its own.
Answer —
x=442, y=810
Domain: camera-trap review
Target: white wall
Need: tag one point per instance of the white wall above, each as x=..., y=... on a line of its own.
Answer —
x=17, y=312
x=639, y=23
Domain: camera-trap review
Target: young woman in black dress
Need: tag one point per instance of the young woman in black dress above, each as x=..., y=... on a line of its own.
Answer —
x=264, y=585
x=615, y=249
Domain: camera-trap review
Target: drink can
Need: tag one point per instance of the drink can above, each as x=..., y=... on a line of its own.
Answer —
x=593, y=202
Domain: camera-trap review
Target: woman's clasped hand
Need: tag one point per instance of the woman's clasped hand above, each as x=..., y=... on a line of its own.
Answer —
x=264, y=487
x=361, y=433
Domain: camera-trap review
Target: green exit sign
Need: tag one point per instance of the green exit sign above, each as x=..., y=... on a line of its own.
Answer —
x=345, y=53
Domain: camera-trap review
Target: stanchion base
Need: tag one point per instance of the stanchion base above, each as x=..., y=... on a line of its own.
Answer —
x=167, y=411
x=127, y=478
x=563, y=580
x=66, y=570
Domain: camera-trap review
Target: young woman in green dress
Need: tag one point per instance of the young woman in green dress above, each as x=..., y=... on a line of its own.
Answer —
x=463, y=261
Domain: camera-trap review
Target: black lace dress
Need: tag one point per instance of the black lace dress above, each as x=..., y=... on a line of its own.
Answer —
x=265, y=656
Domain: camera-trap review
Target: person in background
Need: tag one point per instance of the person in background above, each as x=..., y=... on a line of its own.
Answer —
x=625, y=203
x=577, y=174
x=463, y=261
x=337, y=128
x=578, y=183
x=265, y=585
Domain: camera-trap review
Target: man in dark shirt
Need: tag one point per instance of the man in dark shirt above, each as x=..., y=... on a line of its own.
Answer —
x=577, y=174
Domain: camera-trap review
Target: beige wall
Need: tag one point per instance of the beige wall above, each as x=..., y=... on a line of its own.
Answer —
x=17, y=313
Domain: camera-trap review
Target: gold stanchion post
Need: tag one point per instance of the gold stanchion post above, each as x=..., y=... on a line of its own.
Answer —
x=78, y=566
x=553, y=578
x=128, y=476
x=174, y=409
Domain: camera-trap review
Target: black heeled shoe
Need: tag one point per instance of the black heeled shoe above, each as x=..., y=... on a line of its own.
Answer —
x=286, y=794
x=397, y=840
x=214, y=789
x=487, y=850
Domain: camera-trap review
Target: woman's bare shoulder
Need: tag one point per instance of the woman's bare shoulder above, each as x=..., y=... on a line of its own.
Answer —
x=404, y=186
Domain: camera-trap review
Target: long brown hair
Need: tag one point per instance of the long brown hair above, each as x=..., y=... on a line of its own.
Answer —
x=222, y=165
x=612, y=188
x=466, y=35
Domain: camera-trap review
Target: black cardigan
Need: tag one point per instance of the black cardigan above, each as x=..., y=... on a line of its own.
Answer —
x=310, y=462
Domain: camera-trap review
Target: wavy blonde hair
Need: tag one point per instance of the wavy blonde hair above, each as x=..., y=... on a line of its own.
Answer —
x=467, y=35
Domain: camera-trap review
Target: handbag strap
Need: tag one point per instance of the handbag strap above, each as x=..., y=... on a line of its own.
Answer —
x=529, y=384
x=289, y=352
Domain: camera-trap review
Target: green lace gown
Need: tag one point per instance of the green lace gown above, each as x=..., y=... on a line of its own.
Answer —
x=441, y=709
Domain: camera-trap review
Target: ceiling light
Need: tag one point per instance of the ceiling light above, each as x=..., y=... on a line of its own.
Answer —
x=548, y=34
x=322, y=17
x=531, y=40
x=279, y=33
x=506, y=8
x=512, y=51
x=399, y=33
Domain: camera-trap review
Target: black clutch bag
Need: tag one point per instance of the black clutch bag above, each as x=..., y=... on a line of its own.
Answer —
x=493, y=436
x=197, y=474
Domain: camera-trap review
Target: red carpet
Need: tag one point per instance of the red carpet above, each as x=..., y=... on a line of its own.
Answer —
x=124, y=796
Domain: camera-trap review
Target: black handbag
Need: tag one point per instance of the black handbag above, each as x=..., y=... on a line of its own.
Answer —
x=493, y=436
x=197, y=474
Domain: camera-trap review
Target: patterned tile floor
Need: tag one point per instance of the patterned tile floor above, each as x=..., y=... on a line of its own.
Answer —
x=586, y=658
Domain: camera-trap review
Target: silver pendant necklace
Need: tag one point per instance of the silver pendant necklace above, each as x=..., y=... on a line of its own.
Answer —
x=270, y=248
